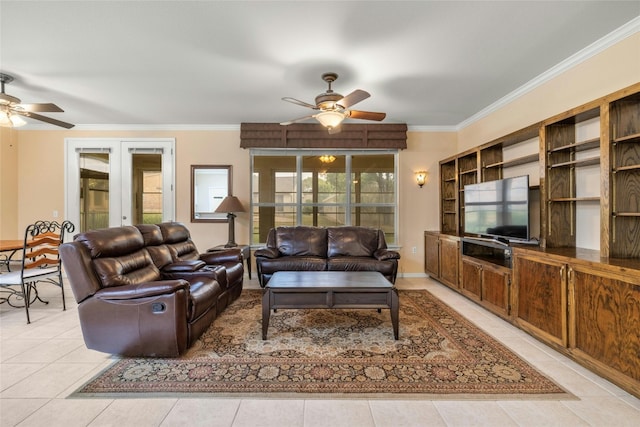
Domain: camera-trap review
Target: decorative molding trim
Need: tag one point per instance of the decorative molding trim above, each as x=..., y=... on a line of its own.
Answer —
x=129, y=127
x=453, y=128
x=408, y=275
x=593, y=49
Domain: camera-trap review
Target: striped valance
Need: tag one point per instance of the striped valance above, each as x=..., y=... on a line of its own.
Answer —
x=314, y=135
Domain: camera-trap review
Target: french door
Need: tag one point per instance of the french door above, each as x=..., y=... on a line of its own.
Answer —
x=110, y=182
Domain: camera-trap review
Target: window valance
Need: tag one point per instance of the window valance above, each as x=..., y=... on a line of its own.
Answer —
x=313, y=135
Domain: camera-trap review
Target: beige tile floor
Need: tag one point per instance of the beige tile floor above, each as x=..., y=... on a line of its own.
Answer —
x=41, y=364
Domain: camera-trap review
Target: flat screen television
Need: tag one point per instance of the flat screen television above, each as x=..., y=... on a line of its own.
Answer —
x=498, y=209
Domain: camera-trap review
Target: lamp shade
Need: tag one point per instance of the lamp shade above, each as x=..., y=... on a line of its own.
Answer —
x=330, y=119
x=230, y=204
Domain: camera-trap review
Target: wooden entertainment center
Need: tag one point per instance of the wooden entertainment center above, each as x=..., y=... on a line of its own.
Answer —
x=584, y=302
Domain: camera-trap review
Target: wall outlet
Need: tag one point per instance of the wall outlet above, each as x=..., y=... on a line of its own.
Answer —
x=55, y=214
x=414, y=250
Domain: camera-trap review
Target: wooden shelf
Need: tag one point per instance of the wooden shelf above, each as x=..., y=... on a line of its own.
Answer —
x=575, y=199
x=626, y=168
x=468, y=171
x=515, y=162
x=581, y=162
x=579, y=146
x=629, y=214
x=629, y=138
x=450, y=179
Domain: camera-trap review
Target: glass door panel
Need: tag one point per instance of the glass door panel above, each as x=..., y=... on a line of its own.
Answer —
x=94, y=191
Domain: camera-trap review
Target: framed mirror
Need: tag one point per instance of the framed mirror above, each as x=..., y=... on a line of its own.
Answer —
x=210, y=184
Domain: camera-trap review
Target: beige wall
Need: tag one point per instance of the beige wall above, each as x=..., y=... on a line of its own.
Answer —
x=32, y=162
x=8, y=185
x=613, y=69
x=419, y=207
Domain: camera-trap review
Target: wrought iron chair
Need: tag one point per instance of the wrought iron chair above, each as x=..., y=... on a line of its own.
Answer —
x=40, y=263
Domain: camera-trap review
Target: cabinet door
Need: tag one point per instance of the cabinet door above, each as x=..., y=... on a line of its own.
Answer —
x=495, y=289
x=471, y=279
x=432, y=255
x=449, y=261
x=541, y=302
x=605, y=320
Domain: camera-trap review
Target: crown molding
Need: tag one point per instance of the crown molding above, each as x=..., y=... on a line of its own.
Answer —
x=130, y=127
x=593, y=49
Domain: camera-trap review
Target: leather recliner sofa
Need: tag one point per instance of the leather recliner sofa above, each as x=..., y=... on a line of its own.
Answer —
x=128, y=306
x=346, y=248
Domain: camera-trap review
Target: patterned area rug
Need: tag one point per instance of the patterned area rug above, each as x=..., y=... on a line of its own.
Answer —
x=335, y=353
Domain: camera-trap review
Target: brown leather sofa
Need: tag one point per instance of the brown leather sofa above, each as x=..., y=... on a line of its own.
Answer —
x=347, y=248
x=130, y=306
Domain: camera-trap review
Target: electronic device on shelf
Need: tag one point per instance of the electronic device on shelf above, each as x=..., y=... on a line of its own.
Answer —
x=498, y=210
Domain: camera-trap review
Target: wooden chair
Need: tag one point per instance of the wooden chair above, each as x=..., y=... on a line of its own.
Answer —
x=40, y=263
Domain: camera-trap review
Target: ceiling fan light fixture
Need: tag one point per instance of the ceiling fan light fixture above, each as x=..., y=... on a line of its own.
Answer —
x=17, y=121
x=4, y=119
x=330, y=119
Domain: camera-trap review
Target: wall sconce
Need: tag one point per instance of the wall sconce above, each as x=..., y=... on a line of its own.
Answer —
x=421, y=178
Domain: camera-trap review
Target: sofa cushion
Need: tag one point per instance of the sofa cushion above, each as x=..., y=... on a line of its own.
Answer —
x=347, y=263
x=303, y=263
x=203, y=296
x=129, y=269
x=110, y=242
x=351, y=241
x=302, y=241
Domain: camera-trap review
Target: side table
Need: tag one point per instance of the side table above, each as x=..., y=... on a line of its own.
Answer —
x=244, y=249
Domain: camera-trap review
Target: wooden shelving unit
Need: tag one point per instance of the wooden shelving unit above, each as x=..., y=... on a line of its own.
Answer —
x=625, y=176
x=575, y=299
x=561, y=161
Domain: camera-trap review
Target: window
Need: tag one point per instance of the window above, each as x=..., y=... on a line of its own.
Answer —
x=323, y=189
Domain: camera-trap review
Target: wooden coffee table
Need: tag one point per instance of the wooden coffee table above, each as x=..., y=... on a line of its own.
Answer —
x=329, y=289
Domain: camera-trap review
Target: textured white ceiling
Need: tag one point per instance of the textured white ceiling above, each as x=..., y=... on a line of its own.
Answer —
x=425, y=63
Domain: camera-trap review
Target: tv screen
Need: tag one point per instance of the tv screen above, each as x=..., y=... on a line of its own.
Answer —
x=498, y=208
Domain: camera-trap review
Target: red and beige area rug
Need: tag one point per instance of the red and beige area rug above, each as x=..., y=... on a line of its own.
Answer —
x=334, y=354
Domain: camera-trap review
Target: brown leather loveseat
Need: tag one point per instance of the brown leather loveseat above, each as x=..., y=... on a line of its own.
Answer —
x=304, y=248
x=141, y=293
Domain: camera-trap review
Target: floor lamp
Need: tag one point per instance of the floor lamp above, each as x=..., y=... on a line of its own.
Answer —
x=229, y=205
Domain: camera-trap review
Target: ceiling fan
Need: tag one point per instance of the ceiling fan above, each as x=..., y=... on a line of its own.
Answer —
x=11, y=109
x=334, y=108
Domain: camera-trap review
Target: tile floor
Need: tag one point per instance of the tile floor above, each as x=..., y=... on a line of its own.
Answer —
x=42, y=363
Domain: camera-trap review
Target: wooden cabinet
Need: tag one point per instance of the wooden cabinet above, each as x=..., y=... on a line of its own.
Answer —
x=486, y=275
x=432, y=254
x=540, y=303
x=442, y=257
x=584, y=306
x=604, y=326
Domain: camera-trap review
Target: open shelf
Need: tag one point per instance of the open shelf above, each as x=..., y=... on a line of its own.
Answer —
x=514, y=162
x=578, y=146
x=626, y=168
x=628, y=214
x=575, y=199
x=580, y=162
x=629, y=138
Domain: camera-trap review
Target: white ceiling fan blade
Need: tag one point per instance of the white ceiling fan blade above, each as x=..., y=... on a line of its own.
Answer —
x=298, y=102
x=41, y=108
x=353, y=98
x=301, y=119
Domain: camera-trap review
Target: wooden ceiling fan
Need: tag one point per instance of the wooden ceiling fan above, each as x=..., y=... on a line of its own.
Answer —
x=11, y=109
x=333, y=108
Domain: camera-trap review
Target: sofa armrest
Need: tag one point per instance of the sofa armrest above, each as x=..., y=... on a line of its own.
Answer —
x=142, y=290
x=266, y=253
x=183, y=266
x=221, y=257
x=385, y=254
